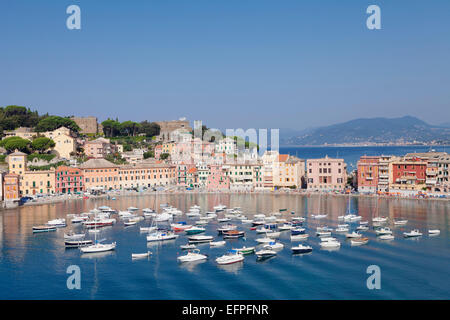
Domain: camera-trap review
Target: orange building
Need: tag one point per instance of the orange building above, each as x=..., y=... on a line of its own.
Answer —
x=100, y=174
x=368, y=173
x=11, y=187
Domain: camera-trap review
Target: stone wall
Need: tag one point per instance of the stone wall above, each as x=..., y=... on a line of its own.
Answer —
x=88, y=124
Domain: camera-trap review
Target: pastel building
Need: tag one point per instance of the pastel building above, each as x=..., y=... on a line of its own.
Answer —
x=69, y=180
x=368, y=173
x=100, y=174
x=11, y=190
x=326, y=174
x=288, y=171
x=98, y=148
x=217, y=179
x=31, y=182
x=408, y=176
x=146, y=175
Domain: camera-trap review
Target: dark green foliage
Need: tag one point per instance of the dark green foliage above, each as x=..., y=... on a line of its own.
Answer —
x=13, y=143
x=54, y=122
x=42, y=144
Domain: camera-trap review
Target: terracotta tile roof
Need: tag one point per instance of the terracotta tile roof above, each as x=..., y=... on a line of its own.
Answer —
x=283, y=157
x=192, y=170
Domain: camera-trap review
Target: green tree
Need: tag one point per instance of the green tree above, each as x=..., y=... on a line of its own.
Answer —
x=149, y=154
x=129, y=128
x=111, y=128
x=42, y=144
x=54, y=122
x=164, y=156
x=150, y=129
x=13, y=143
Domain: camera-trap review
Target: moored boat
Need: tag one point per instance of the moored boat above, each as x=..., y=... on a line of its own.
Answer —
x=246, y=250
x=359, y=241
x=301, y=249
x=231, y=257
x=141, y=255
x=43, y=228
x=413, y=233
x=193, y=255
x=200, y=239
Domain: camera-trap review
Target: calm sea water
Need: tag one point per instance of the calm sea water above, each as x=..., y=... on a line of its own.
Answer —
x=352, y=154
x=33, y=266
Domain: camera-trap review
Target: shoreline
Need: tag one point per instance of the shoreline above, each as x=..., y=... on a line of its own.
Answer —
x=116, y=194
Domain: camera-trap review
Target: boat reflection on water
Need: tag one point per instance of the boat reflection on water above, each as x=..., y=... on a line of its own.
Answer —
x=232, y=268
x=97, y=254
x=191, y=265
x=263, y=259
x=330, y=249
x=157, y=244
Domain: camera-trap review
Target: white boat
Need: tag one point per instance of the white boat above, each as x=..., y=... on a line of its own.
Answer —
x=161, y=236
x=132, y=209
x=318, y=216
x=274, y=235
x=353, y=235
x=74, y=236
x=98, y=247
x=379, y=219
x=197, y=207
x=358, y=242
x=191, y=256
x=413, y=233
x=324, y=228
x=231, y=257
x=247, y=221
x=94, y=231
x=298, y=219
x=192, y=214
x=382, y=231
x=180, y=226
x=330, y=244
x=299, y=237
x=400, y=222
x=57, y=223
x=147, y=229
x=202, y=222
x=328, y=239
x=259, y=216
x=274, y=245
x=301, y=249
x=188, y=246
x=225, y=228
x=140, y=255
x=162, y=217
x=220, y=207
x=200, y=239
x=323, y=233
x=265, y=253
x=363, y=223
x=362, y=228
x=434, y=231
x=125, y=214
x=79, y=219
x=148, y=210
x=264, y=240
x=285, y=227
x=223, y=219
x=263, y=230
x=217, y=243
x=386, y=237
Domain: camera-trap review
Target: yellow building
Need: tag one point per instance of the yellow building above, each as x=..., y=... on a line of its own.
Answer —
x=31, y=182
x=167, y=147
x=288, y=171
x=65, y=144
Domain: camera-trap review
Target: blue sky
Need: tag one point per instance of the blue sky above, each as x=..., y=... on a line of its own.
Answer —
x=230, y=63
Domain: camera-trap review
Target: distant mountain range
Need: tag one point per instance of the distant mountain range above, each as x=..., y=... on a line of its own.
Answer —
x=371, y=131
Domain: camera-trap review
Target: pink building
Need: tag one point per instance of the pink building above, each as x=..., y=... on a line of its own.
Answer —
x=217, y=180
x=326, y=174
x=158, y=151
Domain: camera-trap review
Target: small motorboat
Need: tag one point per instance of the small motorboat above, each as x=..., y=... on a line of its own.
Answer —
x=285, y=227
x=43, y=228
x=274, y=245
x=161, y=236
x=59, y=223
x=225, y=228
x=194, y=230
x=400, y=222
x=264, y=240
x=359, y=241
x=130, y=223
x=191, y=256
x=201, y=222
x=217, y=243
x=78, y=219
x=363, y=223
x=147, y=229
x=301, y=249
x=98, y=247
x=77, y=243
x=246, y=250
x=231, y=257
x=386, y=237
x=233, y=234
x=382, y=231
x=265, y=253
x=413, y=233
x=342, y=229
x=223, y=219
x=200, y=239
x=379, y=219
x=256, y=223
x=330, y=244
x=319, y=216
x=132, y=209
x=324, y=228
x=74, y=236
x=434, y=232
x=188, y=246
x=299, y=237
x=141, y=255
x=353, y=235
x=263, y=230
x=298, y=219
x=297, y=230
x=362, y=228
x=274, y=235
x=328, y=239
x=323, y=233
